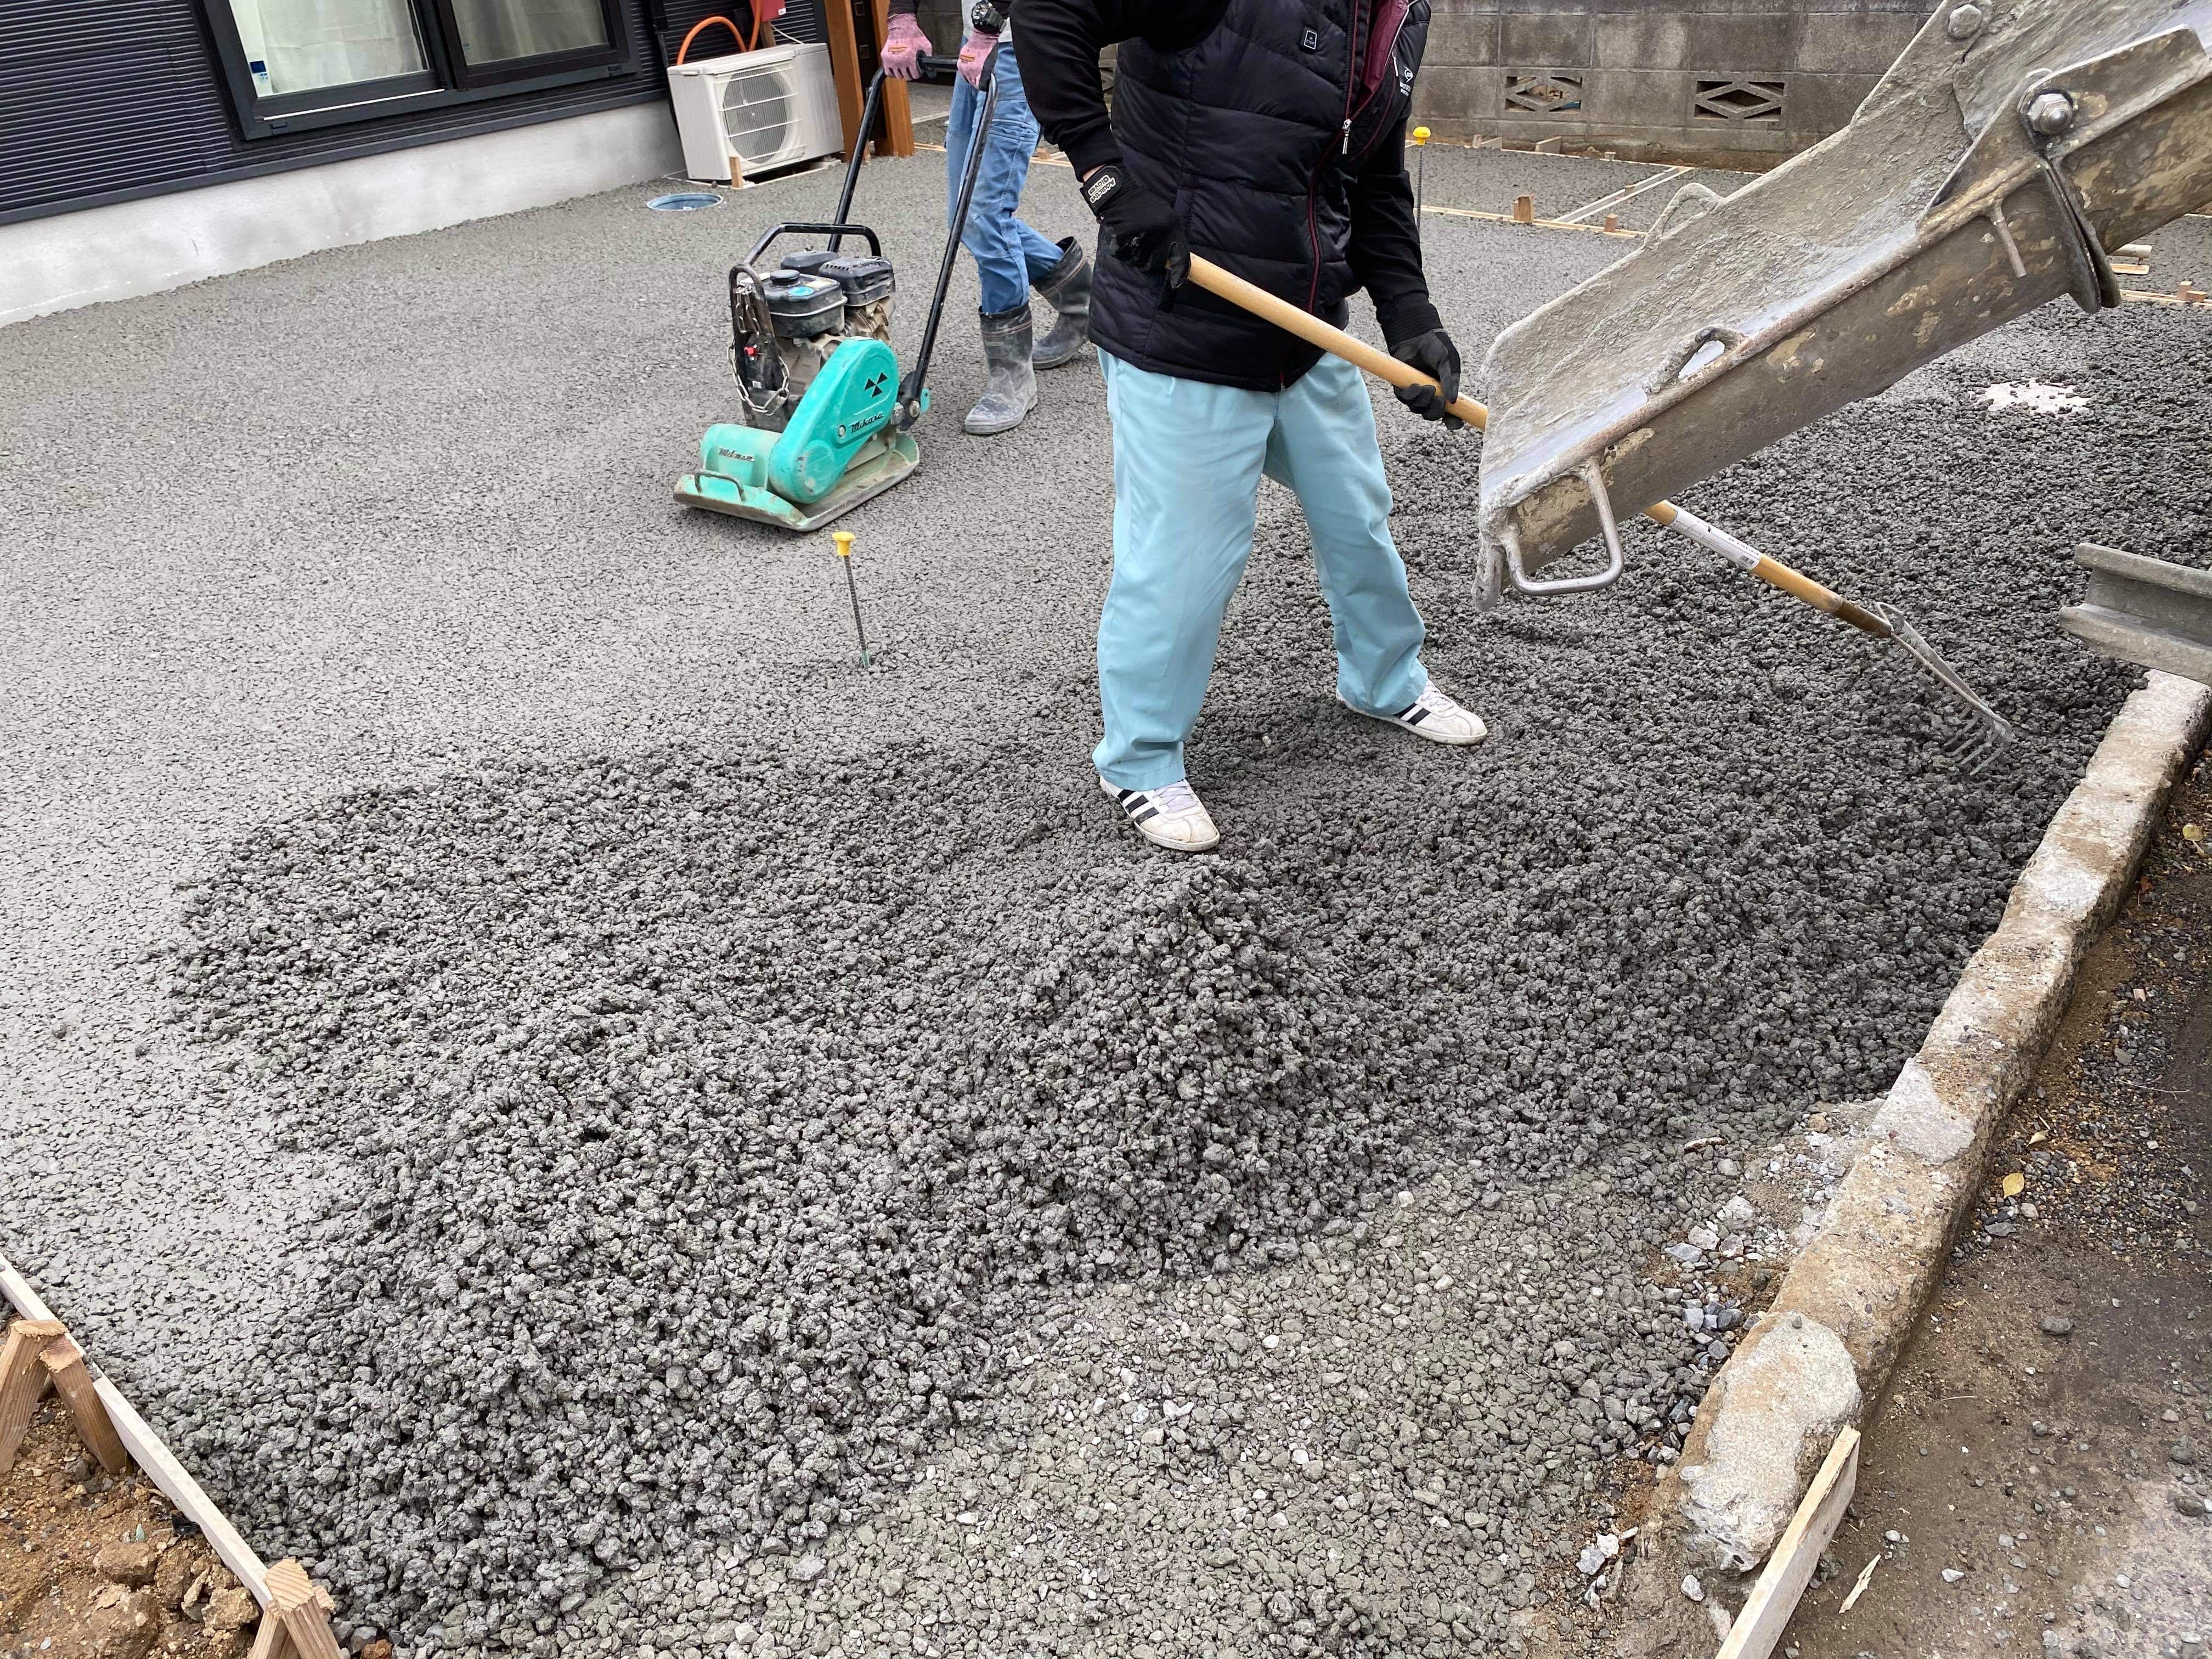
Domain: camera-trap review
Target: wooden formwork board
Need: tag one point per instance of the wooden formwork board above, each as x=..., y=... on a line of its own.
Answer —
x=39, y=1353
x=1774, y=1599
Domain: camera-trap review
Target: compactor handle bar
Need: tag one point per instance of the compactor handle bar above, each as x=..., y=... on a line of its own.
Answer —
x=934, y=67
x=801, y=229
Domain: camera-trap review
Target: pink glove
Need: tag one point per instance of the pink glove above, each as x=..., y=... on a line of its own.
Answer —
x=974, y=52
x=903, y=48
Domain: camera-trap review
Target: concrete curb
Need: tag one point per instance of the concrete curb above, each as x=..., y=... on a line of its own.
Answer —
x=1810, y=1365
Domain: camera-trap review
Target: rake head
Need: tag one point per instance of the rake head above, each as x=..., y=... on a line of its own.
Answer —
x=1987, y=734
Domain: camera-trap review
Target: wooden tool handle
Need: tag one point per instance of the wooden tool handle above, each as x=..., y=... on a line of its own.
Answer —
x=1314, y=331
x=1799, y=585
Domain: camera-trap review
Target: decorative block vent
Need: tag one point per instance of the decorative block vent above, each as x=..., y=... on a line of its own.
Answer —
x=1753, y=101
x=1542, y=92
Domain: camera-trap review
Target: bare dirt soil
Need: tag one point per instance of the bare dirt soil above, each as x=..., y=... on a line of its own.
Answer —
x=2038, y=1479
x=93, y=1567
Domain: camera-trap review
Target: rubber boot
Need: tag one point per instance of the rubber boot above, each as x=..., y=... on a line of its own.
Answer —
x=1067, y=289
x=1010, y=392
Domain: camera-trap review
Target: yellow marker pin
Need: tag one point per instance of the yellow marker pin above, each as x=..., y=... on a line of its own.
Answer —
x=1420, y=169
x=1420, y=136
x=843, y=539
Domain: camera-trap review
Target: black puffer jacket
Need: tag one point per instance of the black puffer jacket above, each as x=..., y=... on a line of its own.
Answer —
x=1276, y=127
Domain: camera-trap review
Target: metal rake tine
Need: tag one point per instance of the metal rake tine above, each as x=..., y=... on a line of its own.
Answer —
x=1876, y=620
x=1998, y=731
x=1974, y=749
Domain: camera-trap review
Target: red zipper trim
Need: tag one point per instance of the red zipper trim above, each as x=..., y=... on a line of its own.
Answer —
x=1387, y=22
x=1394, y=12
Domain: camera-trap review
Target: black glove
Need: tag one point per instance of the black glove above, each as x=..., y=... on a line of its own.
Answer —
x=1140, y=226
x=1433, y=353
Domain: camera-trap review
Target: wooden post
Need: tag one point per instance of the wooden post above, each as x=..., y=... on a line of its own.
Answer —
x=898, y=135
x=737, y=171
x=65, y=1363
x=845, y=69
x=296, y=1623
x=22, y=1381
x=1524, y=209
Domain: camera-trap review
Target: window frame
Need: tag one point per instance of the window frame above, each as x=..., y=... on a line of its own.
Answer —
x=447, y=77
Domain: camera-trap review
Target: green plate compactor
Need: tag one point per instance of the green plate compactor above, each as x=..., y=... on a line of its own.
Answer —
x=826, y=414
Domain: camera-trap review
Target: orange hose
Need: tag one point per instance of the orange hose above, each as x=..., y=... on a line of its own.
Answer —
x=744, y=45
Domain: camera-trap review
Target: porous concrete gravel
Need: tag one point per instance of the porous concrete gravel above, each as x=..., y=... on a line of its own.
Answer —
x=693, y=1146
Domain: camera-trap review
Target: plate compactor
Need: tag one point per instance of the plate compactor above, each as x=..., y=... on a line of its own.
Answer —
x=824, y=412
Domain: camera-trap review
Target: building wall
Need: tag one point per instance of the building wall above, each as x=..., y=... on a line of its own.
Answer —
x=1707, y=77
x=112, y=100
x=58, y=261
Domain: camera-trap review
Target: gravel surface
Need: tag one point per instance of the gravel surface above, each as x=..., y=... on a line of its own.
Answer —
x=632, y=1133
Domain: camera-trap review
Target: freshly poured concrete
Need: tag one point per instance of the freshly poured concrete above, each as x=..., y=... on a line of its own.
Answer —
x=358, y=642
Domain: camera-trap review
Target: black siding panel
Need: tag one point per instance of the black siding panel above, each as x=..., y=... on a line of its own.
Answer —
x=103, y=100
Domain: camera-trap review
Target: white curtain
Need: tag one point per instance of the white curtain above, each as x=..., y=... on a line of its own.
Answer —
x=305, y=44
x=493, y=31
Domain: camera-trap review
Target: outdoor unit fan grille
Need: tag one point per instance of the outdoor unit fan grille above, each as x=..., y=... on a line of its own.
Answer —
x=756, y=115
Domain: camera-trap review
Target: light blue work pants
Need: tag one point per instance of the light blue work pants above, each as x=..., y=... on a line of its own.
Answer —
x=1009, y=256
x=1187, y=458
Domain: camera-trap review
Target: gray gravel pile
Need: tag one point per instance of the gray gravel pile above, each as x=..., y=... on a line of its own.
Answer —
x=750, y=1080
x=728, y=1116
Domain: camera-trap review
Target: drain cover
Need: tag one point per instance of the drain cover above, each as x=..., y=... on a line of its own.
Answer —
x=685, y=201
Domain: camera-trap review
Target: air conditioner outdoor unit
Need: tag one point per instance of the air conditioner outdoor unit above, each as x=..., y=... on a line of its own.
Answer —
x=771, y=108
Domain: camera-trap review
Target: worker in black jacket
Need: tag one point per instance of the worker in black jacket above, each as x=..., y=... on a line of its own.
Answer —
x=1270, y=136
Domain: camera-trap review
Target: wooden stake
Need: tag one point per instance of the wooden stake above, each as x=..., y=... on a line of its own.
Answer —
x=22, y=1382
x=1789, y=1569
x=845, y=70
x=296, y=1623
x=65, y=1363
x=1524, y=209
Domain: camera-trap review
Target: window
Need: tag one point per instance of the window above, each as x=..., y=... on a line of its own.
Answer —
x=1758, y=101
x=293, y=64
x=1542, y=92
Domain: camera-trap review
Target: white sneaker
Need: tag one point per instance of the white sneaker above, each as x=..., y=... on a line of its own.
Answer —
x=1435, y=717
x=1169, y=817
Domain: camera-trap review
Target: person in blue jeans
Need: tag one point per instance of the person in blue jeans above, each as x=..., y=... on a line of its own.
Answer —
x=1010, y=257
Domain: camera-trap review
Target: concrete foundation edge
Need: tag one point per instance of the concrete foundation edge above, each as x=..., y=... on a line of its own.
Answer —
x=1824, y=1351
x=162, y=242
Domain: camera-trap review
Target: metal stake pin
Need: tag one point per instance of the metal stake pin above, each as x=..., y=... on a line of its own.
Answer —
x=1420, y=167
x=844, y=540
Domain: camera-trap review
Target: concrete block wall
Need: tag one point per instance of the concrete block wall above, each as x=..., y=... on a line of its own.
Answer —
x=1696, y=80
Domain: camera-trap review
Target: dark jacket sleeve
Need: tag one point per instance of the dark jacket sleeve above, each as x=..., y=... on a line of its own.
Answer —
x=1385, y=249
x=1058, y=42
